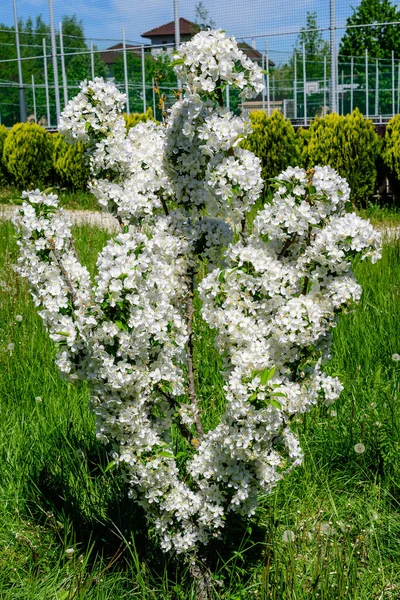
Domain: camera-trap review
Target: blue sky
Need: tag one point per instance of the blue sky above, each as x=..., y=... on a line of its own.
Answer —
x=105, y=18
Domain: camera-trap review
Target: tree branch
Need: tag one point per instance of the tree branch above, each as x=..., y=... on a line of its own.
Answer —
x=191, y=389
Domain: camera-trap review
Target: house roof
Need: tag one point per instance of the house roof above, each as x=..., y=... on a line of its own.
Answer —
x=109, y=55
x=253, y=53
x=185, y=28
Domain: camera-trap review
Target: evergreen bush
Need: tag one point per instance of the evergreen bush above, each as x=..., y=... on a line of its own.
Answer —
x=274, y=141
x=391, y=153
x=350, y=145
x=27, y=155
x=135, y=118
x=3, y=171
x=69, y=163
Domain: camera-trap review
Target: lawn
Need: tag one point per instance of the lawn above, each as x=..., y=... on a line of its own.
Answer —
x=330, y=530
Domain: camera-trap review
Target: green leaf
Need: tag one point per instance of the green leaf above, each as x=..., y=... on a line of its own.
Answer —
x=110, y=465
x=177, y=61
x=266, y=375
x=165, y=454
x=276, y=404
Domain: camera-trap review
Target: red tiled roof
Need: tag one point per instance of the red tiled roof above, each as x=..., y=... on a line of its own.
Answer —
x=109, y=55
x=185, y=27
x=253, y=53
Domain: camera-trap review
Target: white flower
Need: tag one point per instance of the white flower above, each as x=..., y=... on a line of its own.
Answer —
x=359, y=448
x=288, y=536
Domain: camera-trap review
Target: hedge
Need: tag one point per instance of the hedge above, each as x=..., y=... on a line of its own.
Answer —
x=350, y=145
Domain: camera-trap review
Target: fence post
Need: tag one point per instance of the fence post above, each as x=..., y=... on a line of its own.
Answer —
x=342, y=76
x=64, y=76
x=304, y=84
x=125, y=71
x=154, y=98
x=143, y=80
x=393, y=103
x=333, y=77
x=21, y=89
x=376, y=87
x=295, y=84
x=366, y=84
x=398, y=87
x=324, y=86
x=46, y=82
x=351, y=82
x=92, y=59
x=54, y=57
x=267, y=69
x=263, y=90
x=34, y=99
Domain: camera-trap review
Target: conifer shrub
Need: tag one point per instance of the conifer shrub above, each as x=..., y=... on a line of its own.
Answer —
x=303, y=138
x=274, y=141
x=69, y=163
x=27, y=155
x=135, y=118
x=350, y=145
x=3, y=171
x=390, y=154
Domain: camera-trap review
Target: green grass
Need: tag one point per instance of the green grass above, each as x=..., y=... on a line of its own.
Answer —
x=71, y=200
x=56, y=494
x=381, y=216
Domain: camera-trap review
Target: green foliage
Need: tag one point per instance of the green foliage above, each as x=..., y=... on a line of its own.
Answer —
x=350, y=145
x=391, y=152
x=3, y=170
x=303, y=137
x=27, y=155
x=379, y=40
x=69, y=163
x=135, y=118
x=274, y=142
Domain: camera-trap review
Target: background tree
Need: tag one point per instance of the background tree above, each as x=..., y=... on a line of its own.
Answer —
x=379, y=40
x=31, y=35
x=202, y=17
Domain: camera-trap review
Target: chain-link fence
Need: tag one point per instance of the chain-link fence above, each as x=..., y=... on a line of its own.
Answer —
x=335, y=58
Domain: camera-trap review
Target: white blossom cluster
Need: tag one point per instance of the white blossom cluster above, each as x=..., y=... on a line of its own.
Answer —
x=272, y=297
x=212, y=60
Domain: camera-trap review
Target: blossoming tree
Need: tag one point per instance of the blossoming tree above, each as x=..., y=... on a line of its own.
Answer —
x=181, y=191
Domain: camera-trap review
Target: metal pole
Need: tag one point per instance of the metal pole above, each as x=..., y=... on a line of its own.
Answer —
x=324, y=86
x=228, y=105
x=154, y=97
x=342, y=77
x=143, y=81
x=398, y=87
x=34, y=99
x=393, y=103
x=21, y=90
x=333, y=78
x=176, y=23
x=304, y=84
x=54, y=56
x=376, y=87
x=267, y=69
x=295, y=84
x=64, y=76
x=92, y=60
x=125, y=71
x=351, y=82
x=263, y=90
x=46, y=82
x=366, y=83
